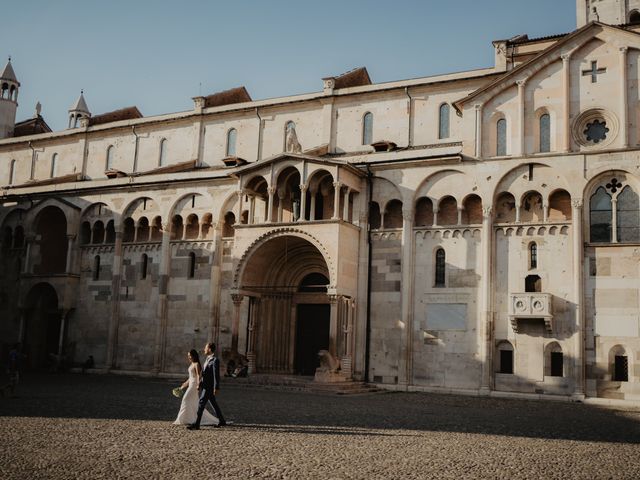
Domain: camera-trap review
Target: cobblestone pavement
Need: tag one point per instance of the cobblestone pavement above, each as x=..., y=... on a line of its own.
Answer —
x=91, y=426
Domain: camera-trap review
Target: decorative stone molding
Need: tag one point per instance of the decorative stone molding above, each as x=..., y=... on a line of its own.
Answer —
x=588, y=117
x=531, y=306
x=577, y=202
x=281, y=232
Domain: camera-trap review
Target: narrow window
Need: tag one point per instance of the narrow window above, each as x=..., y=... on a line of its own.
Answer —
x=96, y=267
x=445, y=114
x=12, y=172
x=557, y=360
x=628, y=216
x=109, y=162
x=367, y=129
x=231, y=142
x=545, y=133
x=600, y=216
x=192, y=265
x=162, y=161
x=621, y=369
x=143, y=266
x=54, y=165
x=501, y=137
x=506, y=360
x=440, y=267
x=533, y=256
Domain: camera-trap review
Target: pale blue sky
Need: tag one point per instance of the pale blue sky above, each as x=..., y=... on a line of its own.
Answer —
x=155, y=54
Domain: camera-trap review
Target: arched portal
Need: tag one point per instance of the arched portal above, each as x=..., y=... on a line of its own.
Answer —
x=42, y=326
x=51, y=229
x=290, y=316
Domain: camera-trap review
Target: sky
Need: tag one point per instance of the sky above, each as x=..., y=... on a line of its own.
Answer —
x=158, y=54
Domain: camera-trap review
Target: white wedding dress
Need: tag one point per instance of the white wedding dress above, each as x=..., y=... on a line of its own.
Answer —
x=189, y=406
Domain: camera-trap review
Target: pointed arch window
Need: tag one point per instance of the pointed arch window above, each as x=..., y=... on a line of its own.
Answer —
x=109, y=161
x=367, y=128
x=440, y=267
x=628, y=216
x=501, y=137
x=232, y=136
x=545, y=133
x=445, y=116
x=12, y=172
x=600, y=214
x=162, y=160
x=54, y=165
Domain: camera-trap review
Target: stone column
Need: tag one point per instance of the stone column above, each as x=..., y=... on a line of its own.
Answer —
x=435, y=217
x=545, y=212
x=63, y=322
x=214, y=321
x=253, y=325
x=460, y=210
x=333, y=324
x=21, y=328
x=566, y=100
x=614, y=220
x=518, y=210
x=486, y=316
x=235, y=326
x=162, y=311
x=406, y=344
x=280, y=206
x=578, y=286
x=69, y=265
x=336, y=200
x=116, y=280
x=312, y=206
x=478, y=108
x=521, y=117
x=271, y=191
x=240, y=194
x=252, y=207
x=303, y=203
x=345, y=207
x=624, y=98
x=26, y=266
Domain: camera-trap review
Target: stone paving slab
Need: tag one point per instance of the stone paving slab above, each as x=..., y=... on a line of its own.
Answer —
x=104, y=426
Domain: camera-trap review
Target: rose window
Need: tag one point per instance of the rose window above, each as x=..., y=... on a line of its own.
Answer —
x=596, y=131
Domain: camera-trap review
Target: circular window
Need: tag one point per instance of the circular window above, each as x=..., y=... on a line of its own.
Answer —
x=595, y=128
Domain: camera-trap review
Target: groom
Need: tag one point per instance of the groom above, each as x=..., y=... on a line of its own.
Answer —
x=208, y=387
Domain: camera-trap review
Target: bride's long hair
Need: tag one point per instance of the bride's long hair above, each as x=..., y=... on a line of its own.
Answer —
x=195, y=358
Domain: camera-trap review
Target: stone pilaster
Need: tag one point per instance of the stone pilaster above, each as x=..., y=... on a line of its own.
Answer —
x=486, y=316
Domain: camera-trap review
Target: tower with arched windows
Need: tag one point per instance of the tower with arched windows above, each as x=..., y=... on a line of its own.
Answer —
x=9, y=86
x=613, y=12
x=78, y=111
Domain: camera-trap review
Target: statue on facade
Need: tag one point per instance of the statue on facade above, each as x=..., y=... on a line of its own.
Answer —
x=291, y=143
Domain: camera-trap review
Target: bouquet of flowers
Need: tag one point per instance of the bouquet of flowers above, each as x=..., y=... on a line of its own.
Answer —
x=177, y=392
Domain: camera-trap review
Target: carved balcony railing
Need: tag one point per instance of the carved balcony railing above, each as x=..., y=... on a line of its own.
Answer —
x=531, y=306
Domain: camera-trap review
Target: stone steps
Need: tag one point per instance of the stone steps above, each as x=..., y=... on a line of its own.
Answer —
x=307, y=384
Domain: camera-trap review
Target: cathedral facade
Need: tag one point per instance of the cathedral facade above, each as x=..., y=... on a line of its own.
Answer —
x=475, y=232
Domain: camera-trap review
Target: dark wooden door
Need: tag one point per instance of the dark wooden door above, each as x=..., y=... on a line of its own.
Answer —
x=312, y=335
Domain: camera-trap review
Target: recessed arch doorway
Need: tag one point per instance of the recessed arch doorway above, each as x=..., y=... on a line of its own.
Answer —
x=289, y=314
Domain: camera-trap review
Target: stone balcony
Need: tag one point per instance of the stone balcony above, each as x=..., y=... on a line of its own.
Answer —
x=531, y=306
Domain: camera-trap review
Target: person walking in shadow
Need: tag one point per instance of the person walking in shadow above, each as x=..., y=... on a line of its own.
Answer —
x=209, y=386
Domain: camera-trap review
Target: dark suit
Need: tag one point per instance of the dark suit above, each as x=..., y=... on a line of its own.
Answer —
x=209, y=382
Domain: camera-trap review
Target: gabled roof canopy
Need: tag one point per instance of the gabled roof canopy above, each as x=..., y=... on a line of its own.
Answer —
x=227, y=97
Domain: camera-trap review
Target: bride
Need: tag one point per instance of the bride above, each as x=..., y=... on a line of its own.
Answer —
x=189, y=406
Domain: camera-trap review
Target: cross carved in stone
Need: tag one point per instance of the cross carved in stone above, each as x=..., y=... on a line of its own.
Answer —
x=594, y=71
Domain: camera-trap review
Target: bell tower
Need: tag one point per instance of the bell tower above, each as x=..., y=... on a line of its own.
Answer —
x=9, y=86
x=613, y=12
x=78, y=110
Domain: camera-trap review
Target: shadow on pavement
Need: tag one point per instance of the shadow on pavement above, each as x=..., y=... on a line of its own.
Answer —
x=128, y=398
